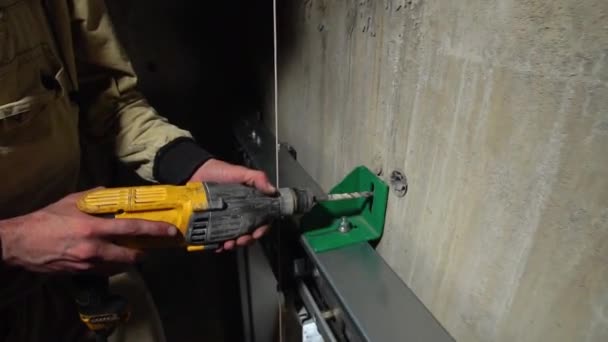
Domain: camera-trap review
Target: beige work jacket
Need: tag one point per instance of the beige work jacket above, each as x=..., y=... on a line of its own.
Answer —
x=68, y=104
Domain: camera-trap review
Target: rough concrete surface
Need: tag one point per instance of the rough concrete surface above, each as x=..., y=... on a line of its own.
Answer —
x=497, y=112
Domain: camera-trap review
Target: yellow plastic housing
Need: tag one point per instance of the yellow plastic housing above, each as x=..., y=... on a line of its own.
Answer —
x=167, y=203
x=104, y=321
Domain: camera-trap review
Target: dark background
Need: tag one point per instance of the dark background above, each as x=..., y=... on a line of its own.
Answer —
x=202, y=65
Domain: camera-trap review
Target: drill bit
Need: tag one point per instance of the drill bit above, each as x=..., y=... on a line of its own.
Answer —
x=301, y=201
x=344, y=196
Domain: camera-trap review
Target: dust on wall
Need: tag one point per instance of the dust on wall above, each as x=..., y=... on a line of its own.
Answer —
x=497, y=111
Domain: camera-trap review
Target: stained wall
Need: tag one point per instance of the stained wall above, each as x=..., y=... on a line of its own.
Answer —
x=497, y=112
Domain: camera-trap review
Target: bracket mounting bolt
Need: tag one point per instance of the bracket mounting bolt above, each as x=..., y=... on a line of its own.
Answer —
x=345, y=226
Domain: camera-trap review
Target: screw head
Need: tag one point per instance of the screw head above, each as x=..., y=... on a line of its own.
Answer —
x=345, y=226
x=398, y=182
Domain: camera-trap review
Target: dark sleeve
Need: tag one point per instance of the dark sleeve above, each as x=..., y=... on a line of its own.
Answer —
x=177, y=161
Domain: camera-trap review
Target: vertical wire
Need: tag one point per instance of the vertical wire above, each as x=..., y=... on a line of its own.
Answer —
x=277, y=147
x=276, y=91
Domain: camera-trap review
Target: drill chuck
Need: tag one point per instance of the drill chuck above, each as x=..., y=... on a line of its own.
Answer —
x=295, y=201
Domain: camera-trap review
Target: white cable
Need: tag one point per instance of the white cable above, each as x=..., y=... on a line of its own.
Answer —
x=277, y=148
x=276, y=90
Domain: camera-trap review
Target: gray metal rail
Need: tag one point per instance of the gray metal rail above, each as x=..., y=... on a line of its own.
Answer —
x=365, y=299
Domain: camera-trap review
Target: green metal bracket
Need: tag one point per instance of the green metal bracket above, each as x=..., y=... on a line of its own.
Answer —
x=364, y=216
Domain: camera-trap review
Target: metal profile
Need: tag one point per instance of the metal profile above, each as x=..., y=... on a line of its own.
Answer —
x=370, y=301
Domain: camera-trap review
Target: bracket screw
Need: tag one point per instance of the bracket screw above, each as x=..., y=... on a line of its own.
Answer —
x=345, y=226
x=398, y=183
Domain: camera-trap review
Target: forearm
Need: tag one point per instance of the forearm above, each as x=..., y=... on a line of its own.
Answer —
x=154, y=148
x=115, y=114
x=8, y=228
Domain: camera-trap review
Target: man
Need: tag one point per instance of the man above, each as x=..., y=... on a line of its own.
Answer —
x=68, y=105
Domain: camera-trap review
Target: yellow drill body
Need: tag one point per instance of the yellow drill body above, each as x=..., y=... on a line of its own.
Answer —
x=205, y=214
x=166, y=203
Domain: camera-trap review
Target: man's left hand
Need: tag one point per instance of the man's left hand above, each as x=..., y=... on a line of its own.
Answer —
x=221, y=172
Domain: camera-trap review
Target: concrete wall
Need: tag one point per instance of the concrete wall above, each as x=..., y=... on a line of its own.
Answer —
x=497, y=111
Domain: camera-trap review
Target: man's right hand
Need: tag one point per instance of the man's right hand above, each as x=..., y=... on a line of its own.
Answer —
x=60, y=238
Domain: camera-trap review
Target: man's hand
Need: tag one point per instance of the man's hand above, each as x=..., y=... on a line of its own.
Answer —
x=221, y=172
x=60, y=238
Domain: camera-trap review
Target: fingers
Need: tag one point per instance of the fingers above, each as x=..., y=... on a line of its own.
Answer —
x=244, y=240
x=116, y=254
x=240, y=174
x=132, y=227
x=228, y=245
x=218, y=171
x=258, y=233
x=259, y=180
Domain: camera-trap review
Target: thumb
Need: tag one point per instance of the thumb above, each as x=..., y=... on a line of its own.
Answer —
x=259, y=180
